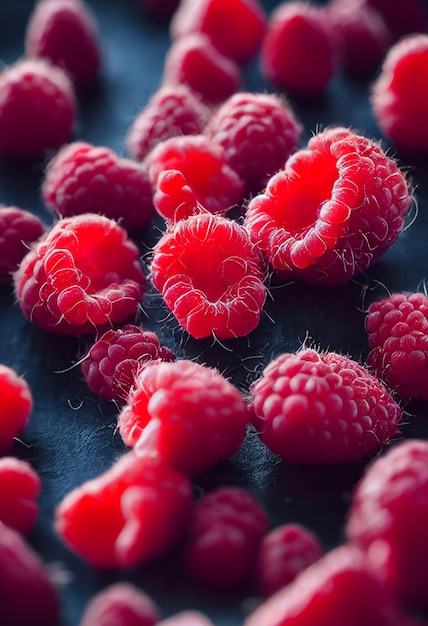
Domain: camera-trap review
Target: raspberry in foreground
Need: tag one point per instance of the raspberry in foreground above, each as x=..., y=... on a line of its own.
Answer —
x=337, y=206
x=174, y=199
x=120, y=604
x=19, y=489
x=211, y=277
x=315, y=407
x=16, y=407
x=18, y=230
x=84, y=274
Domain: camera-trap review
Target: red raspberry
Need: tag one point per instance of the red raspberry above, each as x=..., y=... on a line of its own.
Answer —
x=194, y=61
x=16, y=407
x=82, y=178
x=388, y=518
x=172, y=111
x=284, y=553
x=27, y=593
x=258, y=133
x=65, y=32
x=210, y=276
x=132, y=513
x=224, y=536
x=18, y=229
x=402, y=16
x=186, y=618
x=83, y=275
x=174, y=199
x=37, y=108
x=322, y=407
x=19, y=489
x=120, y=604
x=298, y=54
x=202, y=162
x=187, y=414
x=399, y=102
x=336, y=208
x=235, y=27
x=113, y=361
x=397, y=329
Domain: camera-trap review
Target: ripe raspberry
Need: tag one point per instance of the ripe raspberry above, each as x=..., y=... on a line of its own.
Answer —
x=258, y=133
x=315, y=407
x=115, y=358
x=402, y=16
x=388, y=518
x=120, y=604
x=284, y=553
x=210, y=276
x=18, y=229
x=202, y=162
x=37, y=108
x=194, y=61
x=336, y=208
x=298, y=53
x=19, y=489
x=172, y=111
x=65, y=32
x=186, y=618
x=399, y=102
x=132, y=513
x=397, y=329
x=174, y=199
x=16, y=407
x=82, y=178
x=85, y=274
x=235, y=27
x=187, y=414
x=224, y=536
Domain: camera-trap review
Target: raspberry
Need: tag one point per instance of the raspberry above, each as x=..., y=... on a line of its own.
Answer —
x=16, y=407
x=120, y=604
x=399, y=102
x=115, y=358
x=187, y=414
x=210, y=276
x=202, y=162
x=82, y=178
x=186, y=618
x=224, y=536
x=297, y=53
x=397, y=329
x=285, y=552
x=37, y=108
x=19, y=489
x=174, y=199
x=18, y=229
x=132, y=513
x=258, y=133
x=402, y=16
x=322, y=407
x=194, y=61
x=65, y=32
x=336, y=208
x=172, y=111
x=388, y=517
x=235, y=27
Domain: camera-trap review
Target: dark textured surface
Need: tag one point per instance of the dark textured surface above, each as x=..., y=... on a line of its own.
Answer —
x=71, y=436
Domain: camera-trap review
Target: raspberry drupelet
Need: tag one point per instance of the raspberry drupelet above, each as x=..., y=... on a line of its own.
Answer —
x=18, y=230
x=16, y=407
x=120, y=604
x=174, y=199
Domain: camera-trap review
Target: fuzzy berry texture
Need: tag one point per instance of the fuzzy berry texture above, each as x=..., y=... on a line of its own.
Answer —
x=174, y=199
x=37, y=108
x=223, y=538
x=187, y=414
x=114, y=360
x=120, y=604
x=315, y=407
x=337, y=206
x=211, y=277
x=172, y=111
x=398, y=101
x=284, y=553
x=402, y=16
x=65, y=32
x=134, y=512
x=397, y=328
x=19, y=489
x=84, y=275
x=258, y=133
x=186, y=618
x=18, y=230
x=16, y=407
x=82, y=178
x=236, y=28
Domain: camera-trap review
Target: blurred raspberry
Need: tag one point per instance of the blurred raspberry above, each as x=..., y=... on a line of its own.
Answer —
x=16, y=407
x=20, y=487
x=18, y=230
x=402, y=16
x=120, y=604
x=186, y=618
